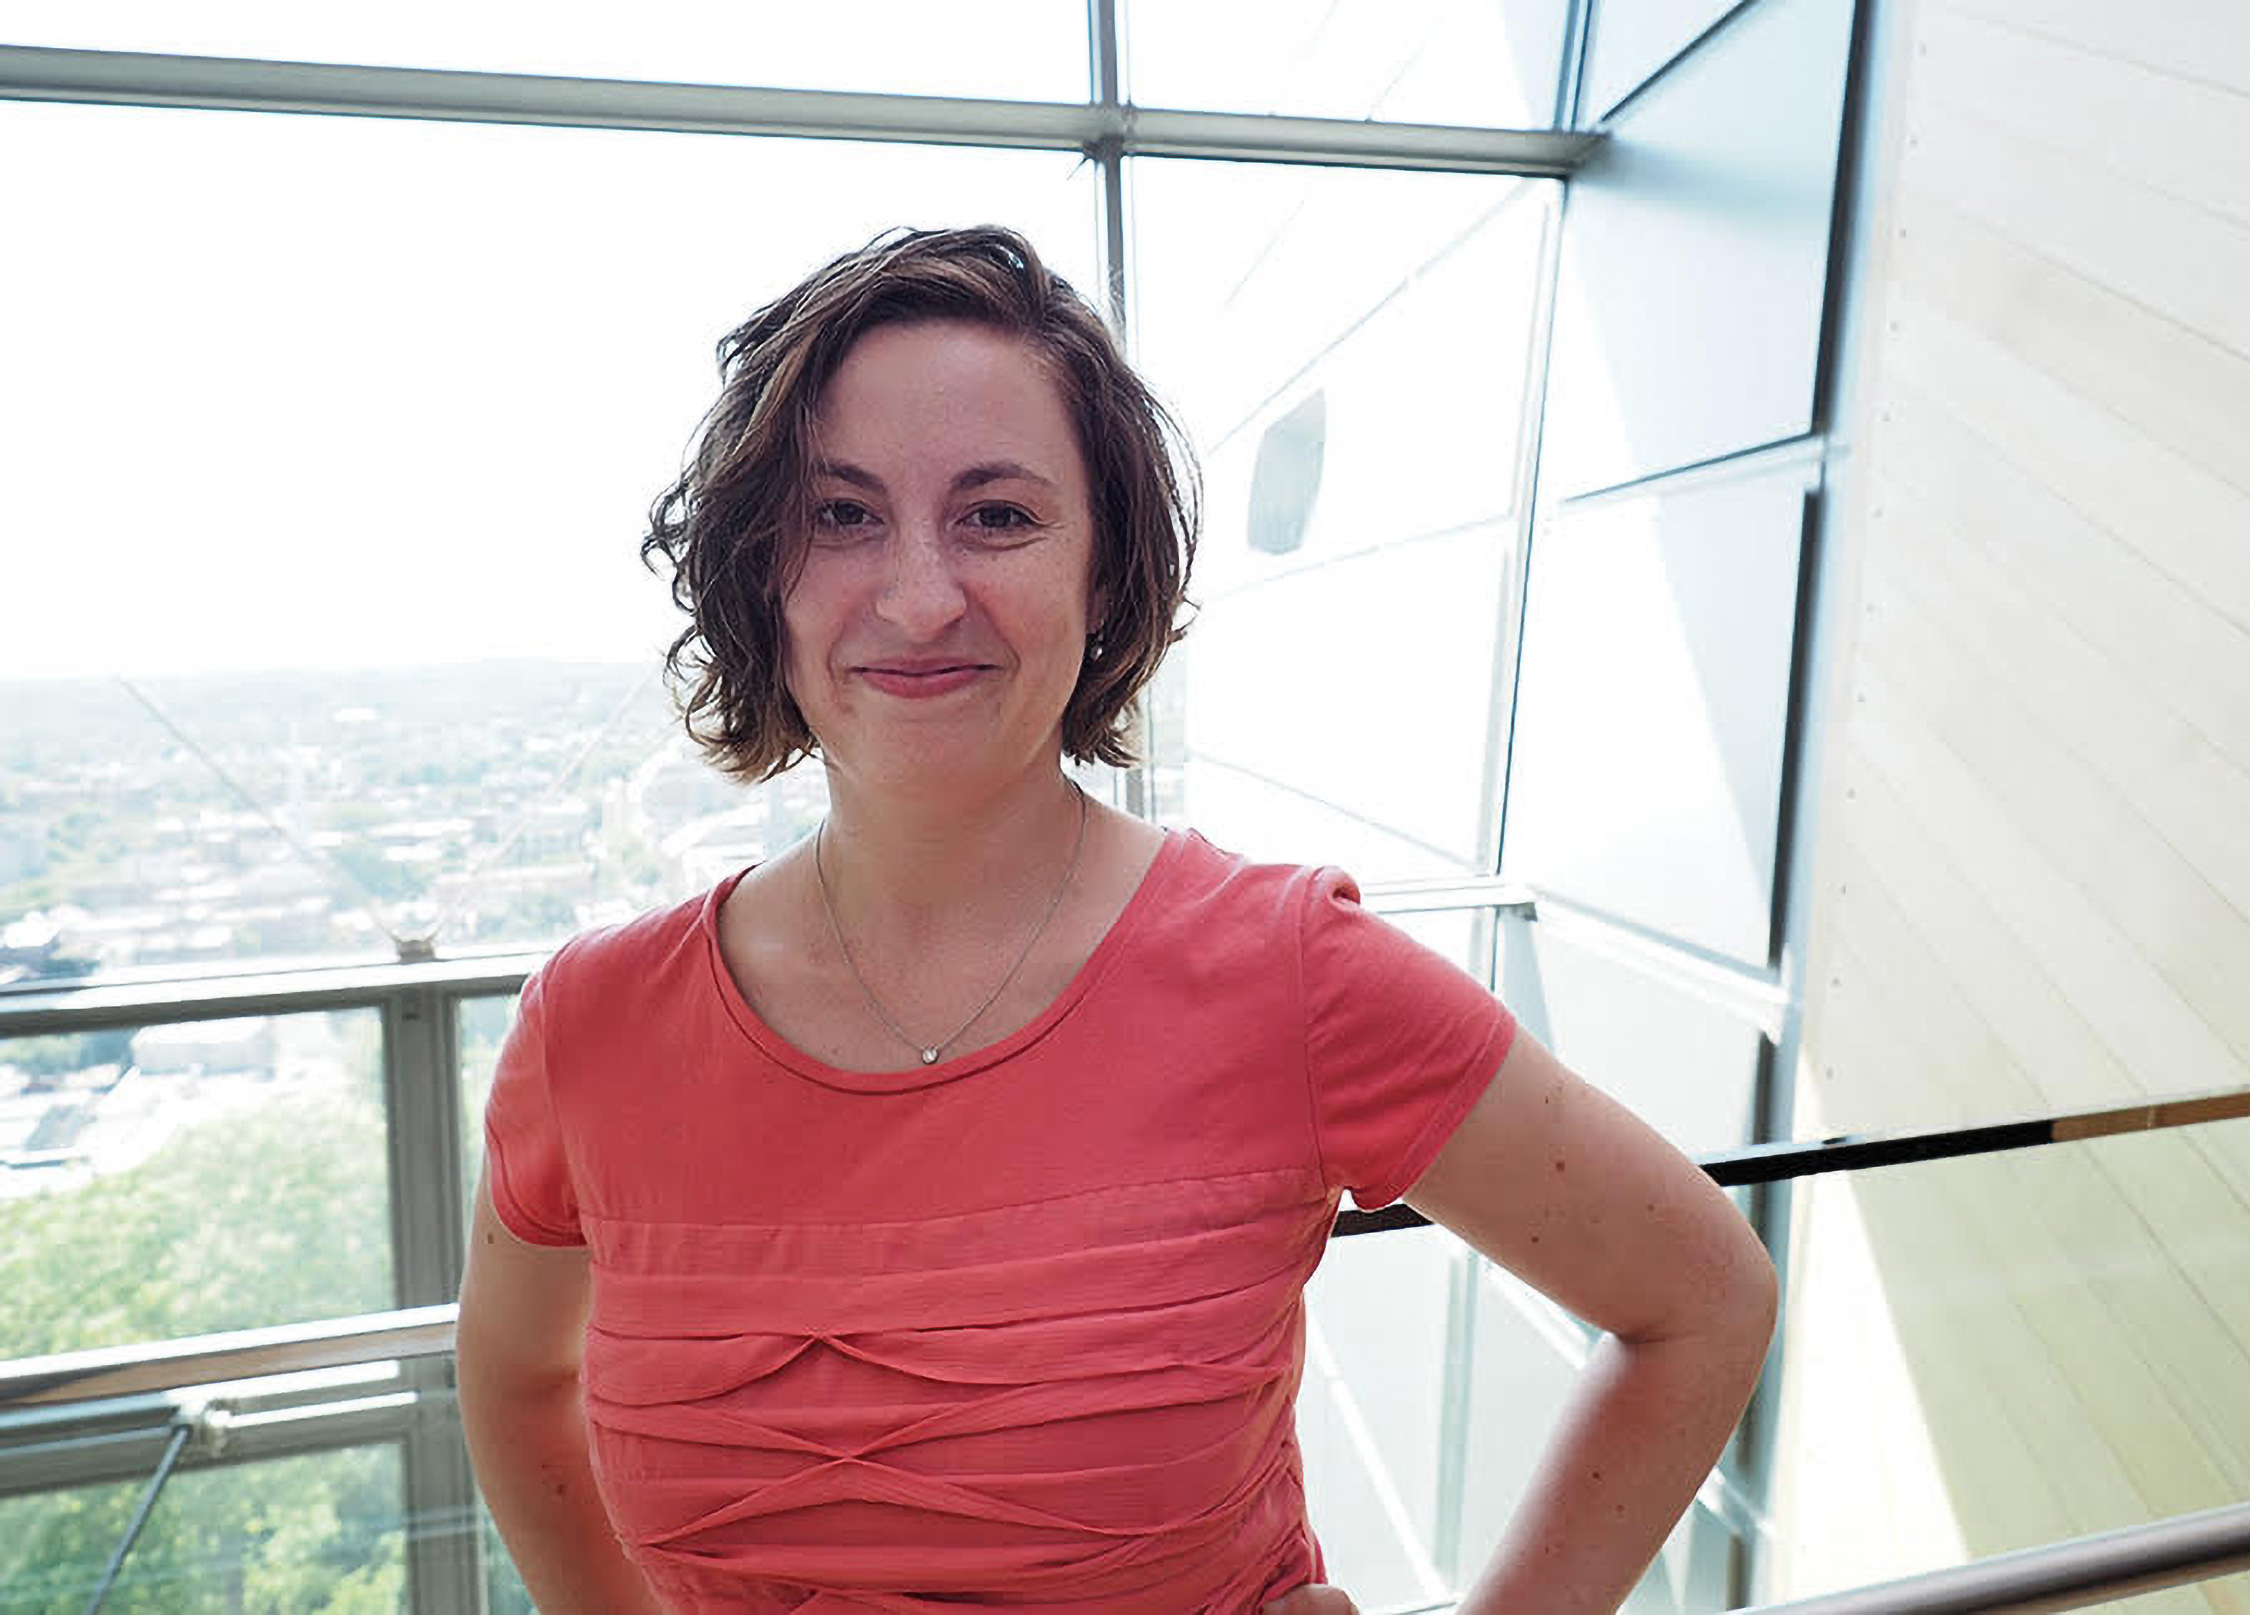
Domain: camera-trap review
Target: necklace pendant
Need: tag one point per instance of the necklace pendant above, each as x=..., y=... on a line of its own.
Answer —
x=929, y=1057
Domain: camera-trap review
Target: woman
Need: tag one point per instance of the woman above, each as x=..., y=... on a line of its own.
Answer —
x=921, y=1218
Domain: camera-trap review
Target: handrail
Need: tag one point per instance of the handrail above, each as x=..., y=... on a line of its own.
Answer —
x=1858, y=1152
x=110, y=1371
x=46, y=1006
x=1853, y=1152
x=2057, y=1575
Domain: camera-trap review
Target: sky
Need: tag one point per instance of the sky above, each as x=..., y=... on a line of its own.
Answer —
x=384, y=393
x=283, y=391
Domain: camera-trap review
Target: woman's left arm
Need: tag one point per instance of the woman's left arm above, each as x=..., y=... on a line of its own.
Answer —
x=1581, y=1199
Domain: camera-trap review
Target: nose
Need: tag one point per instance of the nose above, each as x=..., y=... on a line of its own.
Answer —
x=921, y=594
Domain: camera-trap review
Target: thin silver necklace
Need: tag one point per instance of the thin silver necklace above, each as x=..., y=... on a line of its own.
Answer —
x=930, y=1051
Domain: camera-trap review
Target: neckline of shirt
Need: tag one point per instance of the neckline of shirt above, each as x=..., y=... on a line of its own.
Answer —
x=784, y=1053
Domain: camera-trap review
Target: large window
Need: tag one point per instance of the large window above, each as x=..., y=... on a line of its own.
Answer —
x=1017, y=49
x=1348, y=349
x=329, y=700
x=334, y=441
x=326, y=641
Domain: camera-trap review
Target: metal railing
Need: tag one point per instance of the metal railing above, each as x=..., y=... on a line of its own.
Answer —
x=129, y=1410
x=250, y=1354
x=2075, y=1574
x=1859, y=1152
x=243, y=1354
x=146, y=1391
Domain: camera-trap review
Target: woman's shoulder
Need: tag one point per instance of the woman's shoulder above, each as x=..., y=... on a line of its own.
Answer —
x=1207, y=885
x=1205, y=865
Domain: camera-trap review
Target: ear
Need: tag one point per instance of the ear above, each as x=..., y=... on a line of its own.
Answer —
x=1099, y=596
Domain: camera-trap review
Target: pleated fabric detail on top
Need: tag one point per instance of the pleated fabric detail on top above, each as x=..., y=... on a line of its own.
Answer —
x=1046, y=1438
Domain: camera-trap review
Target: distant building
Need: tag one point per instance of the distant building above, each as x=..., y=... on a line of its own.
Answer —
x=195, y=1048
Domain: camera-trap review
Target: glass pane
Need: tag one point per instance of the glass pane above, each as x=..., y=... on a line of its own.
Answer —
x=504, y=1591
x=482, y=1027
x=1522, y=1357
x=322, y=1534
x=1369, y=1415
x=1020, y=49
x=1432, y=1383
x=1694, y=274
x=185, y=1179
x=1653, y=708
x=1348, y=352
x=1494, y=62
x=1687, y=1066
x=362, y=648
x=1987, y=1354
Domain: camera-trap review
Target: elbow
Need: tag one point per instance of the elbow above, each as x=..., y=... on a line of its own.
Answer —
x=1747, y=1308
x=1750, y=1293
x=1728, y=1302
x=495, y=1365
x=1762, y=1313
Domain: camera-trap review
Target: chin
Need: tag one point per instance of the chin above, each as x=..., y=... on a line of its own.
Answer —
x=938, y=762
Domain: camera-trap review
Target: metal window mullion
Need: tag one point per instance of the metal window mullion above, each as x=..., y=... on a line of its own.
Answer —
x=1105, y=54
x=1455, y=1408
x=1507, y=675
x=105, y=1456
x=1105, y=63
x=421, y=1098
x=37, y=73
x=1577, y=28
x=422, y=1085
x=444, y=1548
x=1507, y=657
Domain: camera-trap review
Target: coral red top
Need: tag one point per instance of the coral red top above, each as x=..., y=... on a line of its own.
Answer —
x=1020, y=1329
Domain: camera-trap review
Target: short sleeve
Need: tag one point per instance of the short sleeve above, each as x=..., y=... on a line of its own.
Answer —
x=1399, y=1043
x=528, y=1170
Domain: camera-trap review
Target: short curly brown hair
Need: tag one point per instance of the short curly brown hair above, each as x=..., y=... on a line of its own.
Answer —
x=734, y=527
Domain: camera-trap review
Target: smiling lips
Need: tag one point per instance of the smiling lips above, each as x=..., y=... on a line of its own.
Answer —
x=918, y=680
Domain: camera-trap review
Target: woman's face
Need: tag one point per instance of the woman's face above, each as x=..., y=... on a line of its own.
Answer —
x=938, y=626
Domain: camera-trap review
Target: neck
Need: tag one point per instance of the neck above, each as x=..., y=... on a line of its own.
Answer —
x=906, y=865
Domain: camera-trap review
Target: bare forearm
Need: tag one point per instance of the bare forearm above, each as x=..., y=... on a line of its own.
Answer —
x=1647, y=1424
x=529, y=1450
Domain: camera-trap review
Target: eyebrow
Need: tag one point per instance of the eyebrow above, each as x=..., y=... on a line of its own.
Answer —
x=975, y=476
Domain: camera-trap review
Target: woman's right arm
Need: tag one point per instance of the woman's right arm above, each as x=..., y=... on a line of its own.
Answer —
x=521, y=1339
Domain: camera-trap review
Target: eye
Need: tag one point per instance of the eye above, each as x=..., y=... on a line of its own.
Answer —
x=999, y=518
x=840, y=519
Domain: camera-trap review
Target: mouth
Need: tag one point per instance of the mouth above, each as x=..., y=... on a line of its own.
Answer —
x=915, y=670
x=922, y=678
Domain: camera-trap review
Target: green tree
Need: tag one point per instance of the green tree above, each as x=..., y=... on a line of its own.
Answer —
x=322, y=1534
x=255, y=1217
